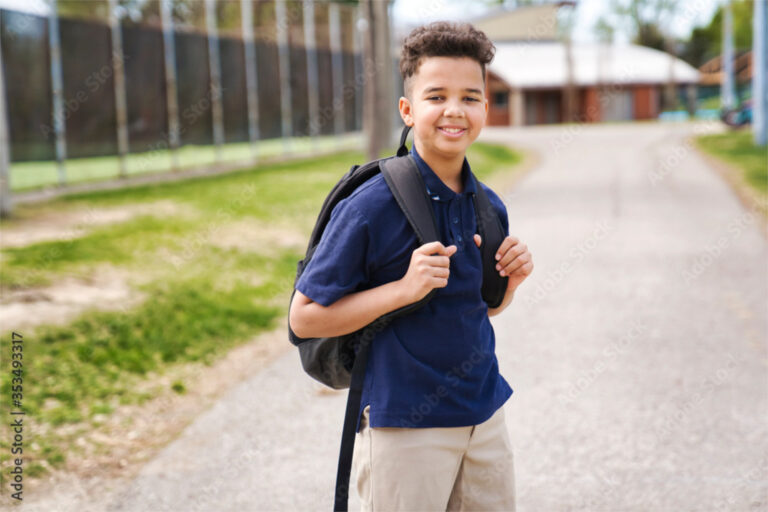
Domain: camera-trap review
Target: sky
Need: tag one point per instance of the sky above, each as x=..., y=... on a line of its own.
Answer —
x=692, y=13
x=32, y=6
x=412, y=12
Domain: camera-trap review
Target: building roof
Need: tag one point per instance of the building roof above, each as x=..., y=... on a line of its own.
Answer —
x=542, y=64
x=711, y=72
x=527, y=23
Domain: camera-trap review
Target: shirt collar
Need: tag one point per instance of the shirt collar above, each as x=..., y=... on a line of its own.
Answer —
x=438, y=190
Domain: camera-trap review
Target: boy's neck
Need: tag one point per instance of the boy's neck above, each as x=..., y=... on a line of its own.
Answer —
x=447, y=169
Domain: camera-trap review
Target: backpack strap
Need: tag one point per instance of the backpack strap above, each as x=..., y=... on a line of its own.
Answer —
x=348, y=431
x=492, y=234
x=403, y=149
x=408, y=188
x=410, y=192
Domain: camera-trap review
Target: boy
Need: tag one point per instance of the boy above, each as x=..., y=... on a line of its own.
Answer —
x=432, y=434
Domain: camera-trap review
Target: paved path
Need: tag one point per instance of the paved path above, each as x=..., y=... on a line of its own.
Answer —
x=637, y=350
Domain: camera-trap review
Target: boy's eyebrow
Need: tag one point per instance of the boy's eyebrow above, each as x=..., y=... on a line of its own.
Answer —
x=437, y=89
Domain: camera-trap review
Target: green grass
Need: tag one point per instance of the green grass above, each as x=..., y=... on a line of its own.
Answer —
x=85, y=365
x=132, y=240
x=739, y=149
x=37, y=174
x=200, y=299
x=489, y=159
x=287, y=190
x=713, y=102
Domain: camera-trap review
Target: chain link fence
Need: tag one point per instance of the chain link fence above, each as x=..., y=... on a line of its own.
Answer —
x=109, y=88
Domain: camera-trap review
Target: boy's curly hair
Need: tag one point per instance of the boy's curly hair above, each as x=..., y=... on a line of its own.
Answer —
x=443, y=39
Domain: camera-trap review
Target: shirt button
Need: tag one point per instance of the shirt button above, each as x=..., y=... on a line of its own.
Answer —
x=455, y=220
x=459, y=238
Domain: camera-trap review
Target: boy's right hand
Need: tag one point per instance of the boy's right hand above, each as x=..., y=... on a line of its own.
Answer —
x=429, y=268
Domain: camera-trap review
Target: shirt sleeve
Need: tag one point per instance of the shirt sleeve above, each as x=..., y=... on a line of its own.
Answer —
x=500, y=208
x=339, y=264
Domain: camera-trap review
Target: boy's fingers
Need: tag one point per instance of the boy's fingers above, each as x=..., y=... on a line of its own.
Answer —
x=478, y=240
x=439, y=260
x=432, y=247
x=512, y=257
x=518, y=263
x=443, y=272
x=505, y=245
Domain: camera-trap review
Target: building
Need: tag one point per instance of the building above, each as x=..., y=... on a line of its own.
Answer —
x=530, y=74
x=711, y=75
x=529, y=23
x=527, y=82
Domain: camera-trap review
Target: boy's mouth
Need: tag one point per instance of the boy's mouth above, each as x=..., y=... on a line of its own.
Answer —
x=452, y=131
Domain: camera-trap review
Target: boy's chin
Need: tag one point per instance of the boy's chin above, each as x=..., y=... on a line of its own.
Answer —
x=451, y=151
x=453, y=145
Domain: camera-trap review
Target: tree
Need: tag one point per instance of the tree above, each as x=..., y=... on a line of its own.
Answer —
x=705, y=42
x=647, y=23
x=565, y=28
x=377, y=65
x=642, y=19
x=514, y=4
x=604, y=30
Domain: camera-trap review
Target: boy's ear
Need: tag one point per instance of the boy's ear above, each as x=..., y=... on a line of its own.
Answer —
x=404, y=105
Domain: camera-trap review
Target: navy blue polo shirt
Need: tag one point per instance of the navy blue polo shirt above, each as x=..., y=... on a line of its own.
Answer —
x=435, y=367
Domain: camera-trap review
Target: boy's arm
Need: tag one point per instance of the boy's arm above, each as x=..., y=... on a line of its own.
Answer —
x=508, y=296
x=309, y=319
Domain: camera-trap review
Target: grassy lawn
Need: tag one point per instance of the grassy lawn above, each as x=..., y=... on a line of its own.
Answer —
x=203, y=296
x=739, y=150
x=33, y=175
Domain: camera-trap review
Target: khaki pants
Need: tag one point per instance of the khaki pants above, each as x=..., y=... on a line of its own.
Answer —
x=431, y=469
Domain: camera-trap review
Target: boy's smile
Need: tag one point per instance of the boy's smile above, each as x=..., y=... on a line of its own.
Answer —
x=447, y=109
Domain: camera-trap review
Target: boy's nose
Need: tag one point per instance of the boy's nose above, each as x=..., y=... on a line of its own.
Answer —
x=453, y=111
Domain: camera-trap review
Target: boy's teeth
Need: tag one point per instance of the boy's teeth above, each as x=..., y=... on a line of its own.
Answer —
x=452, y=130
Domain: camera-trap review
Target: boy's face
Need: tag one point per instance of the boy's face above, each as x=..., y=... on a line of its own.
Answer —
x=447, y=106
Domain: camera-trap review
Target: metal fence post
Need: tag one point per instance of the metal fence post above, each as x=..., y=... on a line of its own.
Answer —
x=251, y=82
x=59, y=126
x=313, y=80
x=337, y=70
x=118, y=60
x=214, y=68
x=6, y=206
x=359, y=66
x=727, y=99
x=760, y=72
x=284, y=70
x=169, y=52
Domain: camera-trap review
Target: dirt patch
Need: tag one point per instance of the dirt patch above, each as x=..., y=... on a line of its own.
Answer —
x=255, y=235
x=105, y=289
x=69, y=224
x=103, y=457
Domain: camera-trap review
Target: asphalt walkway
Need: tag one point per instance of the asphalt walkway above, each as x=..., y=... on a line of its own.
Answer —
x=637, y=351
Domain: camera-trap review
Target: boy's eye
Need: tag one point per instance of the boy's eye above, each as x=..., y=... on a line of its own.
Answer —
x=470, y=98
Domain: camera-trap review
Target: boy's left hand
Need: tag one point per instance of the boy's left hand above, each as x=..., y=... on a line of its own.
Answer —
x=513, y=260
